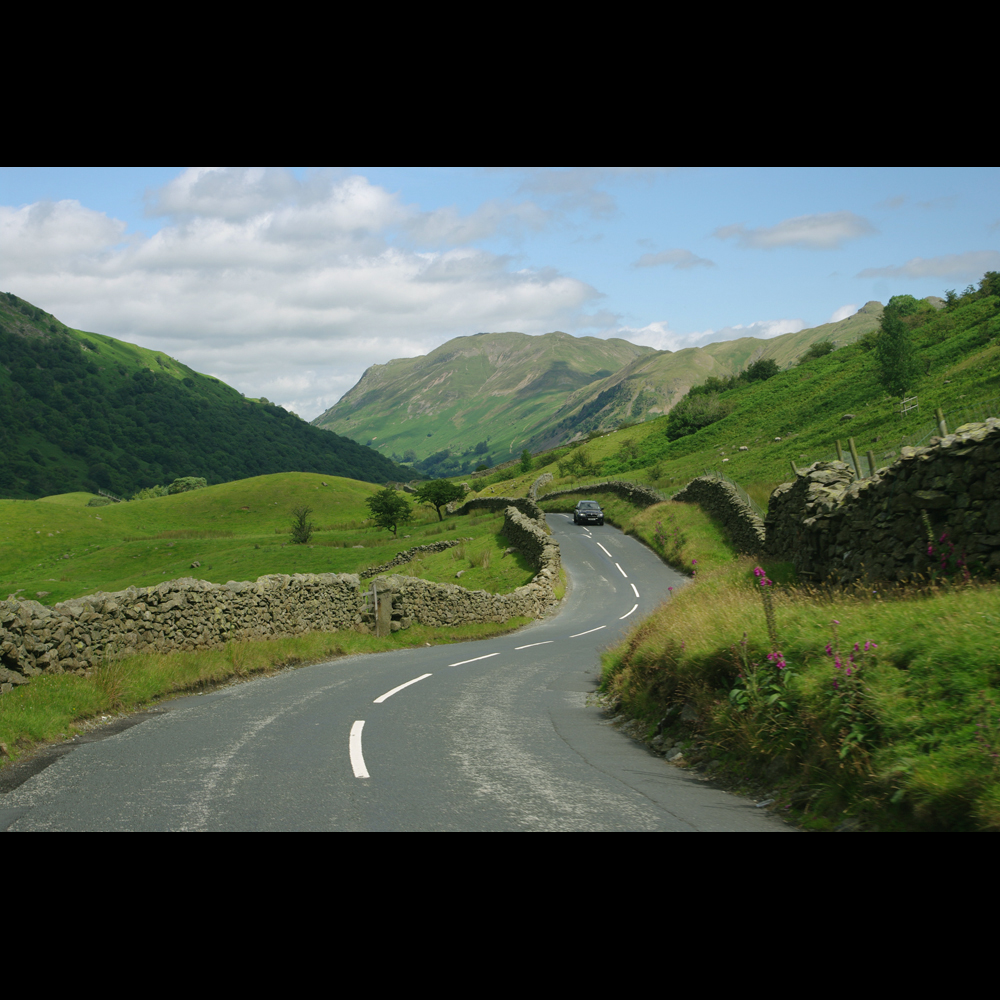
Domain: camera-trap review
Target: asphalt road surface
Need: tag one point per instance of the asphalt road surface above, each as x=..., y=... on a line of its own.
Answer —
x=492, y=735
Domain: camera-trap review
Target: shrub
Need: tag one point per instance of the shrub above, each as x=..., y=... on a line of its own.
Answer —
x=818, y=350
x=186, y=484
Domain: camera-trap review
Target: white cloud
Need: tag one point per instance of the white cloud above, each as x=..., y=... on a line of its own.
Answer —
x=843, y=313
x=680, y=260
x=662, y=338
x=828, y=231
x=956, y=266
x=283, y=288
x=575, y=188
x=47, y=234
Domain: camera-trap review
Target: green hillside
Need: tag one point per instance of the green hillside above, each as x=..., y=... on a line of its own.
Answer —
x=478, y=399
x=81, y=411
x=652, y=385
x=58, y=548
x=484, y=399
x=798, y=415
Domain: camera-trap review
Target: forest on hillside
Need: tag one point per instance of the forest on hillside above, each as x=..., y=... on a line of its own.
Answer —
x=75, y=416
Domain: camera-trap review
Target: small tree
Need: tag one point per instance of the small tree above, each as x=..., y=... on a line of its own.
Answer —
x=389, y=509
x=895, y=354
x=526, y=461
x=818, y=350
x=302, y=528
x=438, y=494
x=762, y=370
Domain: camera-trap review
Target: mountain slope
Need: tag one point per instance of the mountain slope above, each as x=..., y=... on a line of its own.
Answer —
x=491, y=390
x=80, y=411
x=488, y=397
x=652, y=385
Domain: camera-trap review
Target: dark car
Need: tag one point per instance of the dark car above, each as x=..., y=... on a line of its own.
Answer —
x=588, y=512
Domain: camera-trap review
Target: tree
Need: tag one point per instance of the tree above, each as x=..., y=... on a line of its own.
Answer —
x=895, y=354
x=818, y=350
x=438, y=494
x=389, y=509
x=302, y=528
x=761, y=371
x=526, y=461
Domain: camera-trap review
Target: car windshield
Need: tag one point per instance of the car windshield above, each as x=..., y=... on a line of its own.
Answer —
x=589, y=506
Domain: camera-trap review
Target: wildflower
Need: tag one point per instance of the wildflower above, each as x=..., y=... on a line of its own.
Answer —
x=829, y=650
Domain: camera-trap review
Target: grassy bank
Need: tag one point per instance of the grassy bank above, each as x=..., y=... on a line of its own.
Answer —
x=50, y=709
x=880, y=707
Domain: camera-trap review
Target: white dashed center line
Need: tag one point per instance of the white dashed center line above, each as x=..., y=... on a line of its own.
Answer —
x=605, y=551
x=623, y=573
x=623, y=617
x=578, y=634
x=532, y=646
x=476, y=660
x=632, y=585
x=357, y=758
x=389, y=694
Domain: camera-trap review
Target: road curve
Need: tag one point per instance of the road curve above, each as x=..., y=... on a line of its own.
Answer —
x=492, y=735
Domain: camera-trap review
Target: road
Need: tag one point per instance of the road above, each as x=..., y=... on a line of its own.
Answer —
x=493, y=735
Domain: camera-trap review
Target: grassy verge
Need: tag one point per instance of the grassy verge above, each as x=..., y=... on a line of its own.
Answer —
x=50, y=709
x=881, y=709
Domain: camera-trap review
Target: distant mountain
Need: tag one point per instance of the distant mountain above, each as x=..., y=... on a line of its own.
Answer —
x=81, y=411
x=652, y=385
x=491, y=396
x=475, y=399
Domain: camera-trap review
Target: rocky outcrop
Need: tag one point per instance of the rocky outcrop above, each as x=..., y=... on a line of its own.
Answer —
x=936, y=509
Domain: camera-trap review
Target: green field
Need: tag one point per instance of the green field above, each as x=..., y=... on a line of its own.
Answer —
x=60, y=548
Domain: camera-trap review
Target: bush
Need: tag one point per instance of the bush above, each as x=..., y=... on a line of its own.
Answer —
x=150, y=492
x=693, y=413
x=818, y=350
x=187, y=484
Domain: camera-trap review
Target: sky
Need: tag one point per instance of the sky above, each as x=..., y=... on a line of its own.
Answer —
x=289, y=282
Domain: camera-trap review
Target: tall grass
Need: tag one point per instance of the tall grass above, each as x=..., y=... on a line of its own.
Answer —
x=881, y=706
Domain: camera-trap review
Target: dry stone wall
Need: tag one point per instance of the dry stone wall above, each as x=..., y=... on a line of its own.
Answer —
x=192, y=614
x=527, y=507
x=641, y=496
x=404, y=557
x=722, y=501
x=936, y=508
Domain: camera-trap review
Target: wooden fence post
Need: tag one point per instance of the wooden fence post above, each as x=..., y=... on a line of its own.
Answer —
x=942, y=426
x=854, y=455
x=871, y=463
x=840, y=452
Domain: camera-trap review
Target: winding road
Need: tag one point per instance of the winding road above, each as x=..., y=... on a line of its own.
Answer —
x=486, y=736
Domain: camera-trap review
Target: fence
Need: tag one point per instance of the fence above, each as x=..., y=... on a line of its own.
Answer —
x=920, y=434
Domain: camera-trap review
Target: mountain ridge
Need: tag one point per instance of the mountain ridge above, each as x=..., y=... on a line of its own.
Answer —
x=489, y=396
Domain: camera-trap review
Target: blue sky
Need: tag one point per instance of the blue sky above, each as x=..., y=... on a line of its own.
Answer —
x=289, y=282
